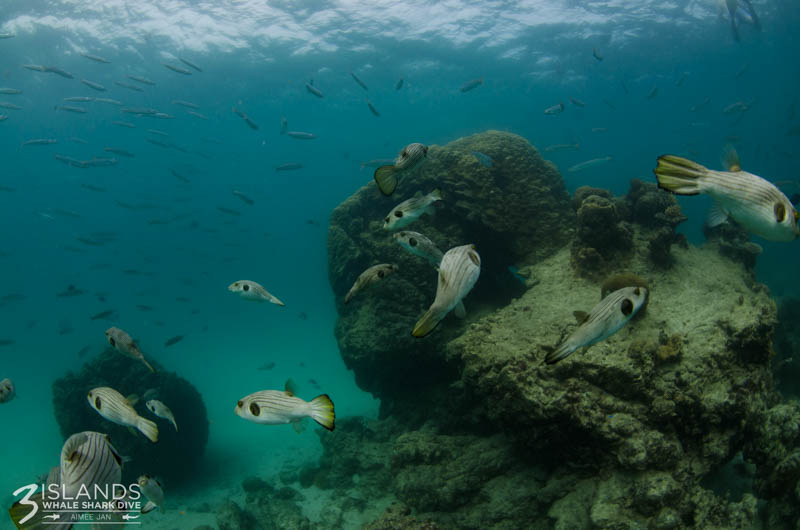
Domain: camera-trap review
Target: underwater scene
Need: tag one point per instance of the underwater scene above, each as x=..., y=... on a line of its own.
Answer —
x=357, y=264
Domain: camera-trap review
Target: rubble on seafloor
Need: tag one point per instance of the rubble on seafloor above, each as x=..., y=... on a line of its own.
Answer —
x=643, y=430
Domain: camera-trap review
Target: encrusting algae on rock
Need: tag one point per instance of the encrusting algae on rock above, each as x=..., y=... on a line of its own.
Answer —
x=620, y=436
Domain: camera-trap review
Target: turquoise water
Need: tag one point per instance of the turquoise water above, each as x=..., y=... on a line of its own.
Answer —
x=530, y=56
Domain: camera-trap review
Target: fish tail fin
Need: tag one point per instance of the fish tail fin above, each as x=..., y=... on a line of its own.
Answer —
x=679, y=175
x=349, y=296
x=560, y=353
x=19, y=511
x=148, y=428
x=147, y=364
x=386, y=179
x=437, y=194
x=322, y=411
x=428, y=322
x=149, y=507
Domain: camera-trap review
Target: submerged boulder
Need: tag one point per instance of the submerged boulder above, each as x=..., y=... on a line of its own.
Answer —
x=513, y=206
x=628, y=433
x=177, y=455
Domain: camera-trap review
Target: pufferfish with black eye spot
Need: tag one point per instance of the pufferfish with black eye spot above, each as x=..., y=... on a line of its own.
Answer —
x=605, y=319
x=275, y=407
x=411, y=209
x=254, y=292
x=753, y=202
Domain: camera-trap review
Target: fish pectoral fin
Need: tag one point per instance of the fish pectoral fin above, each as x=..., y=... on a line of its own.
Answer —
x=716, y=215
x=299, y=426
x=386, y=179
x=132, y=400
x=460, y=311
x=580, y=316
x=133, y=431
x=149, y=507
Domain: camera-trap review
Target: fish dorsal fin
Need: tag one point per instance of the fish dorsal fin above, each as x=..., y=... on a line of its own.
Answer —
x=132, y=400
x=581, y=316
x=291, y=387
x=71, y=447
x=732, y=159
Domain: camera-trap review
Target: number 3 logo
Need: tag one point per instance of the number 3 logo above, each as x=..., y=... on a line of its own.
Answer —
x=27, y=501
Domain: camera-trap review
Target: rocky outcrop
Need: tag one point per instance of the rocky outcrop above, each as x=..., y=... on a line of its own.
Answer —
x=516, y=211
x=176, y=456
x=631, y=432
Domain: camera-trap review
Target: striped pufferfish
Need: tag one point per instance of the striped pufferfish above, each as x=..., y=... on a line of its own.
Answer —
x=605, y=319
x=458, y=272
x=411, y=209
x=154, y=492
x=753, y=202
x=88, y=459
x=255, y=292
x=123, y=343
x=386, y=177
x=368, y=277
x=276, y=407
x=116, y=408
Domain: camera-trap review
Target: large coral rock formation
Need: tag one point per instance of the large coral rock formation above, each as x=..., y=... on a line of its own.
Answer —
x=627, y=434
x=177, y=455
x=516, y=211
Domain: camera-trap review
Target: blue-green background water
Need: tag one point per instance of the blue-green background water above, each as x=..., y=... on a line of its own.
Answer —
x=531, y=55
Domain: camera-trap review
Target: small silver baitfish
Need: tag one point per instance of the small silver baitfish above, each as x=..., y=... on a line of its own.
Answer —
x=255, y=292
x=756, y=204
x=93, y=85
x=470, y=85
x=386, y=177
x=458, y=272
x=275, y=407
x=370, y=276
x=410, y=210
x=605, y=319
x=116, y=408
x=555, y=109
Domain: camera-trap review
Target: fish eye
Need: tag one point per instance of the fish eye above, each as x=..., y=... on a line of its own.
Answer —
x=475, y=259
x=97, y=402
x=780, y=212
x=255, y=410
x=245, y=288
x=398, y=213
x=239, y=404
x=627, y=307
x=412, y=241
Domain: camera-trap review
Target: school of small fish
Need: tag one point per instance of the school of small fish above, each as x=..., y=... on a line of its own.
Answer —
x=89, y=458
